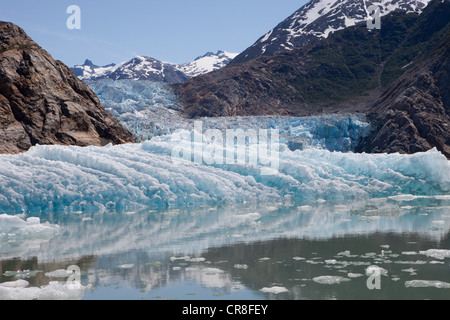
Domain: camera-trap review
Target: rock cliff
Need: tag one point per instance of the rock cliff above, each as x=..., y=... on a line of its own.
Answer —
x=43, y=102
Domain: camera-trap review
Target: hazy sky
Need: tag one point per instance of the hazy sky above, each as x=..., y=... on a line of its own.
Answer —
x=169, y=30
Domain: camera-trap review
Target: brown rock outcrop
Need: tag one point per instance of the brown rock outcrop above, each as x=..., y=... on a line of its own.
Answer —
x=43, y=102
x=413, y=114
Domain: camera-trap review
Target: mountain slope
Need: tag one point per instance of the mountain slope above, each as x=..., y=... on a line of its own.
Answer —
x=146, y=68
x=318, y=19
x=42, y=101
x=347, y=72
x=351, y=63
x=413, y=114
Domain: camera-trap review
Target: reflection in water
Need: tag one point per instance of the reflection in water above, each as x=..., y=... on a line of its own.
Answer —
x=320, y=251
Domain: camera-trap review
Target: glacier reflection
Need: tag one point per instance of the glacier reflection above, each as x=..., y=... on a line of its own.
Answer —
x=225, y=251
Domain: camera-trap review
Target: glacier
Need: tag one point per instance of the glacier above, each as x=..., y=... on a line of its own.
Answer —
x=315, y=161
x=150, y=109
x=50, y=179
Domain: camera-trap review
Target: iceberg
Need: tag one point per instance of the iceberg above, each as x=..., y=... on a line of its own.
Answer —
x=150, y=109
x=274, y=290
x=19, y=290
x=70, y=179
x=330, y=279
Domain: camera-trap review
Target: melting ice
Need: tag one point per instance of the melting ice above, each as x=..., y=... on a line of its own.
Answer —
x=56, y=178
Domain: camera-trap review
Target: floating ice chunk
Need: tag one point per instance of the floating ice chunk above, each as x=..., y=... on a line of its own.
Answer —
x=241, y=266
x=210, y=271
x=369, y=255
x=439, y=254
x=60, y=273
x=186, y=258
x=409, y=253
x=18, y=237
x=25, y=274
x=330, y=279
x=355, y=275
x=311, y=261
x=199, y=259
x=274, y=290
x=411, y=271
x=298, y=258
x=376, y=270
x=344, y=253
x=417, y=262
x=15, y=284
x=52, y=291
x=126, y=266
x=427, y=284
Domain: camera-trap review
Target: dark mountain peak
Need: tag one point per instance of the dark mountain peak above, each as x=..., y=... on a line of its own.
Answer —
x=88, y=63
x=348, y=72
x=210, y=54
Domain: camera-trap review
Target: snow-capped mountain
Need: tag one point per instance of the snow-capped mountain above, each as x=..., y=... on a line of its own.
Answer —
x=146, y=68
x=319, y=18
x=88, y=70
x=207, y=63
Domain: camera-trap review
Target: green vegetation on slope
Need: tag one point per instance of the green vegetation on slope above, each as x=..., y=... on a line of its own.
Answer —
x=349, y=62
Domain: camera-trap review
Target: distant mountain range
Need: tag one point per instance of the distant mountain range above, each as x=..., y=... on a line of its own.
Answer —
x=318, y=19
x=146, y=68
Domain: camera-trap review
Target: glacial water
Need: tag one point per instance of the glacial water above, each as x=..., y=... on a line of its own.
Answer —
x=267, y=251
x=303, y=219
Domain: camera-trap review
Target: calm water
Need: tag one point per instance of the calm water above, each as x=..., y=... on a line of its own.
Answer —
x=314, y=251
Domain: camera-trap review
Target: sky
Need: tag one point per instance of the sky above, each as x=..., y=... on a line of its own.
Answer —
x=176, y=31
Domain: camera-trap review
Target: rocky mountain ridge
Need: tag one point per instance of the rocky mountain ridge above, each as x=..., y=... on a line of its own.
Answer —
x=146, y=68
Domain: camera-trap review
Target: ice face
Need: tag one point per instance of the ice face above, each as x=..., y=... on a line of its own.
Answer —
x=55, y=178
x=146, y=108
x=150, y=109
